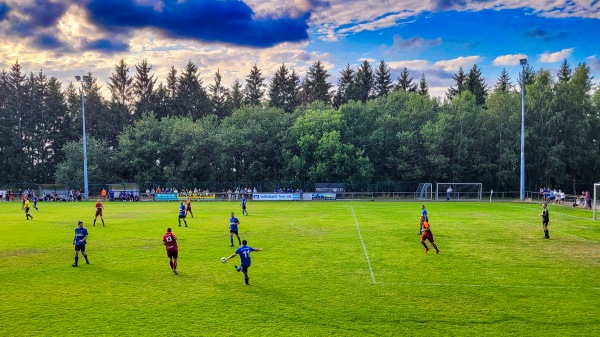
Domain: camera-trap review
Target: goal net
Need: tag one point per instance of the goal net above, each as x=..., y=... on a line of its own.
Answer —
x=458, y=191
x=595, y=201
x=425, y=191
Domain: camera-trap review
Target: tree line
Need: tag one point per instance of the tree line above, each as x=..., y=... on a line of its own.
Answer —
x=372, y=128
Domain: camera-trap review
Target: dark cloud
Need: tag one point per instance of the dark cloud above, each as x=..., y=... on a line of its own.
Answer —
x=41, y=14
x=4, y=9
x=107, y=46
x=414, y=42
x=541, y=34
x=46, y=41
x=442, y=5
x=229, y=21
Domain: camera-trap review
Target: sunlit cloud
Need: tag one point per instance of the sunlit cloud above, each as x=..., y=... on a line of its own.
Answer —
x=548, y=57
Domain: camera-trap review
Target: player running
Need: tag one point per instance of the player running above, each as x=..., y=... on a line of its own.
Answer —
x=35, y=201
x=545, y=219
x=170, y=242
x=99, y=208
x=423, y=214
x=182, y=214
x=188, y=208
x=26, y=205
x=233, y=229
x=244, y=253
x=81, y=234
x=427, y=235
x=244, y=211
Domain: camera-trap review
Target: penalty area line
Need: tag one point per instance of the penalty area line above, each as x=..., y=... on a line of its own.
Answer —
x=364, y=246
x=487, y=286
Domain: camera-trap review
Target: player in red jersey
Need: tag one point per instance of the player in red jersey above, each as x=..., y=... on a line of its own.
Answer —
x=188, y=208
x=170, y=242
x=99, y=208
x=427, y=235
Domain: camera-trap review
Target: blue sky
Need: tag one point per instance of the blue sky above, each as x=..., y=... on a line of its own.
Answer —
x=431, y=37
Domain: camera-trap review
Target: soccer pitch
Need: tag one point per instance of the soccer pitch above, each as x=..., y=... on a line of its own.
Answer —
x=327, y=269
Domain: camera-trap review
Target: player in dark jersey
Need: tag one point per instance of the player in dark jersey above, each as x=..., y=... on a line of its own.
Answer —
x=170, y=242
x=233, y=229
x=244, y=211
x=35, y=201
x=182, y=214
x=244, y=253
x=99, y=208
x=188, y=207
x=545, y=219
x=427, y=235
x=81, y=234
x=423, y=214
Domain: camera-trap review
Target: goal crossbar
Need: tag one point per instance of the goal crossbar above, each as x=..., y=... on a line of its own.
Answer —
x=459, y=191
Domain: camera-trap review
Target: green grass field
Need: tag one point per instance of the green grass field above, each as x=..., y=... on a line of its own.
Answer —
x=327, y=269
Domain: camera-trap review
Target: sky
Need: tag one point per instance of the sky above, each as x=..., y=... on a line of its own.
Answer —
x=65, y=38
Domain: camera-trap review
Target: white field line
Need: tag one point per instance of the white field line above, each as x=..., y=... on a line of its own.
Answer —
x=364, y=246
x=487, y=285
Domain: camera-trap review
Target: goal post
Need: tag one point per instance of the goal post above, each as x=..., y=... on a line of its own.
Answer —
x=459, y=191
x=425, y=191
x=595, y=201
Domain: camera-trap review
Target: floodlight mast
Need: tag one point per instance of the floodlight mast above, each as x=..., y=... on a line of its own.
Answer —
x=523, y=63
x=85, y=166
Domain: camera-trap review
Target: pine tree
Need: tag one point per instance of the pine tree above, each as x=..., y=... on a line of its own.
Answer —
x=236, y=97
x=476, y=85
x=423, y=86
x=219, y=96
x=191, y=97
x=143, y=87
x=383, y=79
x=503, y=83
x=364, y=82
x=172, y=82
x=292, y=92
x=345, y=82
x=405, y=82
x=277, y=87
x=161, y=102
x=120, y=107
x=565, y=72
x=315, y=87
x=460, y=79
x=254, y=92
x=16, y=109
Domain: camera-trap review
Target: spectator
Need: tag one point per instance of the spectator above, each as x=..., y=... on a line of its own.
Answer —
x=588, y=200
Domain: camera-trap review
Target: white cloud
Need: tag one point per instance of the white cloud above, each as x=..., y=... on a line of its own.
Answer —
x=593, y=62
x=454, y=64
x=368, y=59
x=410, y=64
x=548, y=57
x=508, y=60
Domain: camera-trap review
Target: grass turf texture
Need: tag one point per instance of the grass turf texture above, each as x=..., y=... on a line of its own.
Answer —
x=495, y=275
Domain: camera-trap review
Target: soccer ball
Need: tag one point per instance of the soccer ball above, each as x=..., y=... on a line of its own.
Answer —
x=223, y=260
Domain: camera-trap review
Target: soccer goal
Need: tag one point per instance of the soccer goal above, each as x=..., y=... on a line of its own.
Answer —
x=459, y=191
x=425, y=191
x=596, y=202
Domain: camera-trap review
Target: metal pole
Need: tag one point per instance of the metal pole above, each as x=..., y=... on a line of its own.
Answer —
x=85, y=168
x=522, y=194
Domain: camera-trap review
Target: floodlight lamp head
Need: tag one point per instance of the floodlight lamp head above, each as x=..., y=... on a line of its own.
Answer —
x=78, y=78
x=86, y=78
x=523, y=62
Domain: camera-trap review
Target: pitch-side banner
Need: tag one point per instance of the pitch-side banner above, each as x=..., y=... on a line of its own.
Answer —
x=275, y=196
x=165, y=197
x=197, y=196
x=319, y=196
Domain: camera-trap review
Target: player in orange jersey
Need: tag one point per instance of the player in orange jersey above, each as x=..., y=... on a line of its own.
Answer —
x=99, y=208
x=188, y=208
x=427, y=235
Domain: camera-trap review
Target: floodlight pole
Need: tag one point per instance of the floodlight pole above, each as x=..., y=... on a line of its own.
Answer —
x=522, y=189
x=85, y=166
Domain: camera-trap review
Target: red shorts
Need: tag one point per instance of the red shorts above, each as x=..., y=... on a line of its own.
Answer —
x=172, y=253
x=99, y=212
x=427, y=235
x=188, y=209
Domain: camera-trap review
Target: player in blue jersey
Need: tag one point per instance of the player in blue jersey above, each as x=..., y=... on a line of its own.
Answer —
x=35, y=200
x=182, y=214
x=244, y=212
x=233, y=229
x=423, y=214
x=81, y=234
x=244, y=253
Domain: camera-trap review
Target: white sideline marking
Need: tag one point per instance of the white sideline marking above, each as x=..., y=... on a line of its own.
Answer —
x=487, y=286
x=364, y=247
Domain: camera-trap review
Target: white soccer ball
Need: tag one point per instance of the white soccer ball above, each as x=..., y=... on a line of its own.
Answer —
x=223, y=260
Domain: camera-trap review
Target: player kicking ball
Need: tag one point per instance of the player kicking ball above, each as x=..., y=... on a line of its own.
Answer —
x=244, y=253
x=427, y=235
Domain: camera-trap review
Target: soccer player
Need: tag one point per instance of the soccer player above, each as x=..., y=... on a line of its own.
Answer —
x=233, y=228
x=26, y=205
x=35, y=200
x=244, y=253
x=427, y=235
x=103, y=194
x=545, y=219
x=23, y=198
x=170, y=242
x=423, y=214
x=99, y=208
x=81, y=234
x=244, y=211
x=189, y=207
x=182, y=214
